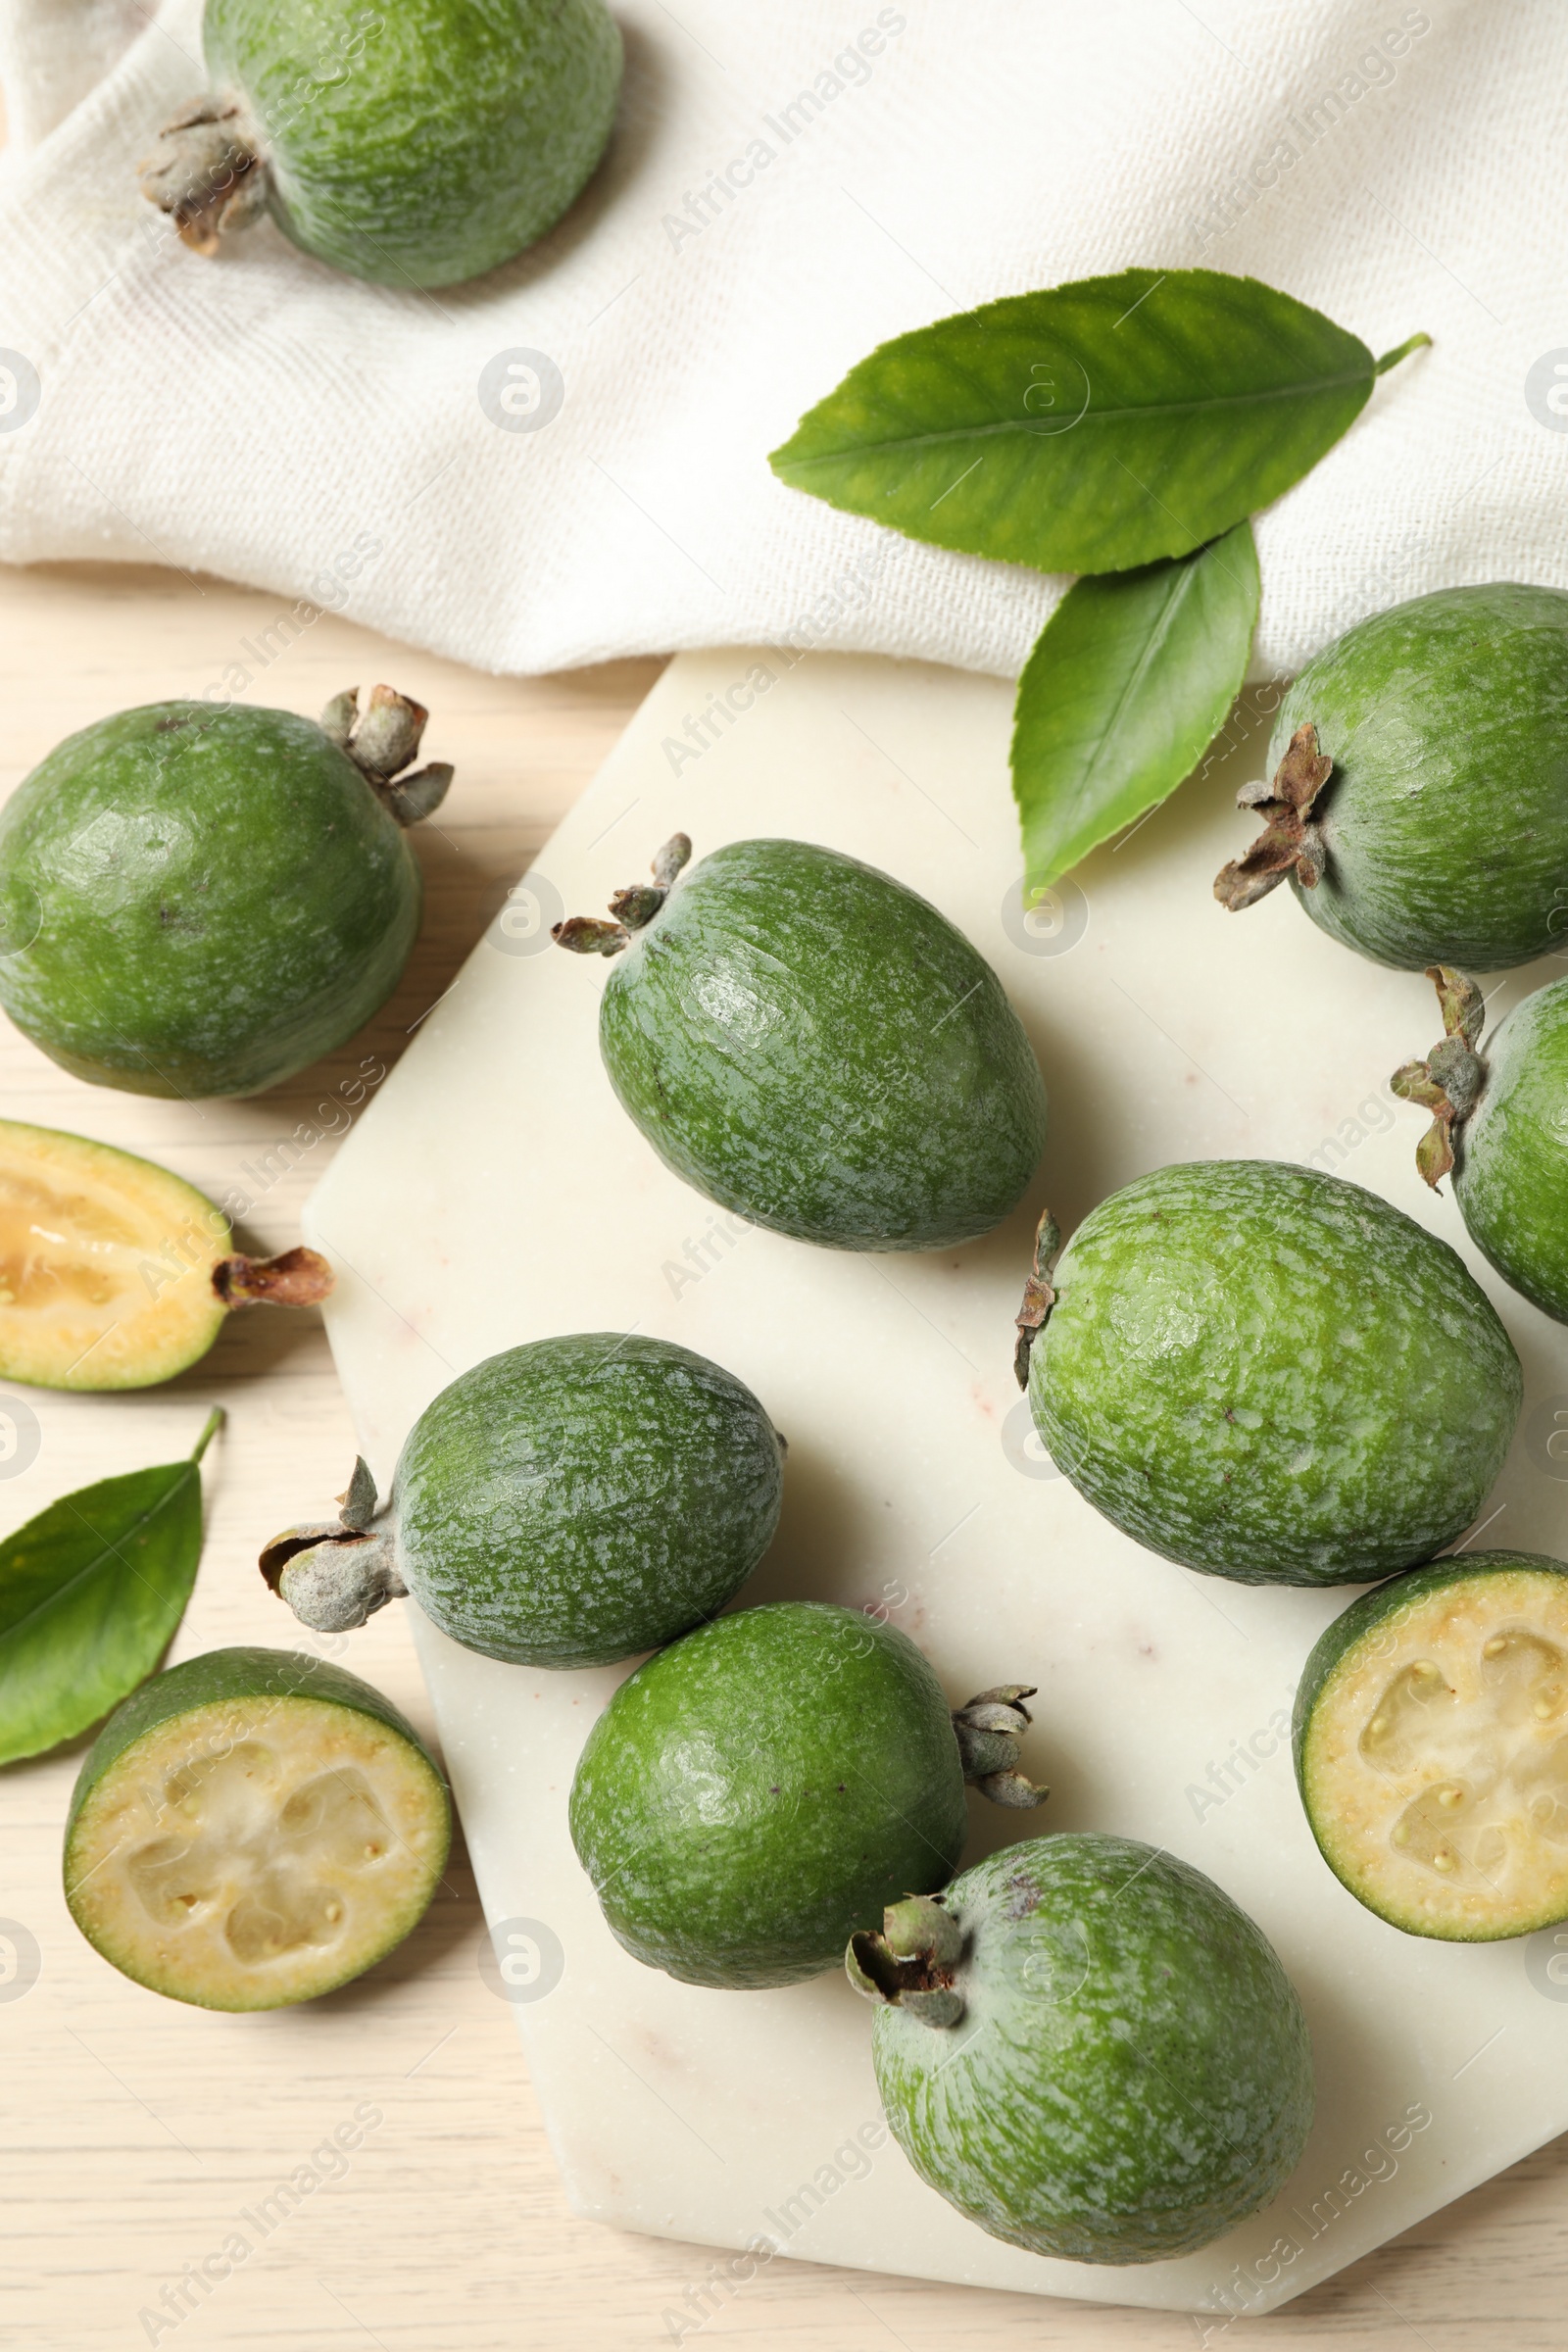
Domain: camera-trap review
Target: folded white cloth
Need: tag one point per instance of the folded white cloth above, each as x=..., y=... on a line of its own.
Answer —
x=567, y=460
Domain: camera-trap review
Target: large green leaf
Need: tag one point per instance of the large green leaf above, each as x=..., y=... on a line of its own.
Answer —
x=90, y=1592
x=1127, y=685
x=1090, y=427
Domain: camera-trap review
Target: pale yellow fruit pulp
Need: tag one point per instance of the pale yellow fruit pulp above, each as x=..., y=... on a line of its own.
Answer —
x=106, y=1264
x=1436, y=1764
x=254, y=1852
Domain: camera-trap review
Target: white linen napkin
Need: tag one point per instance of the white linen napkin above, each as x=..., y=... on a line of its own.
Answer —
x=566, y=461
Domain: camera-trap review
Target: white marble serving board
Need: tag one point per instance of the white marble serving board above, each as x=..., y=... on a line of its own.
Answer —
x=494, y=1193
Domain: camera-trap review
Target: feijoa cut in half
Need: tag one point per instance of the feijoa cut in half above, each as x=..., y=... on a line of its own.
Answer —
x=415, y=145
x=775, y=1780
x=1419, y=801
x=253, y=1828
x=114, y=1274
x=815, y=1048
x=565, y=1503
x=1268, y=1374
x=1430, y=1737
x=1500, y=1123
x=1085, y=2045
x=200, y=900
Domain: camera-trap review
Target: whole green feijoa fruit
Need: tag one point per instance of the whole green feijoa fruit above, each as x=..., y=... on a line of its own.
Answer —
x=201, y=901
x=815, y=1048
x=775, y=1780
x=1500, y=1123
x=253, y=1827
x=1420, y=795
x=1268, y=1374
x=415, y=146
x=1431, y=1752
x=565, y=1504
x=1087, y=2047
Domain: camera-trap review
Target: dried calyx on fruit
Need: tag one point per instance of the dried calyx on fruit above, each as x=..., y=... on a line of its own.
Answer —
x=987, y=1729
x=296, y=1277
x=908, y=1962
x=1038, y=1295
x=209, y=174
x=336, y=1573
x=1290, y=843
x=633, y=907
x=382, y=740
x=1499, y=1123
x=1450, y=1082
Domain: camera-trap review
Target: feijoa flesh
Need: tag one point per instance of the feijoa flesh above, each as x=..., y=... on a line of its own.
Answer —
x=1419, y=801
x=565, y=1503
x=201, y=901
x=775, y=1780
x=415, y=146
x=253, y=1828
x=1500, y=1123
x=114, y=1274
x=1431, y=1739
x=1085, y=2047
x=1268, y=1374
x=815, y=1048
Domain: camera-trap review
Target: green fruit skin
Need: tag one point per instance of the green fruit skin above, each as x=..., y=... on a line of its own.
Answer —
x=1272, y=1376
x=579, y=1500
x=424, y=143
x=1511, y=1175
x=1132, y=2074
x=1445, y=819
x=1366, y=1617
x=819, y=1049
x=763, y=1787
x=241, y=1673
x=219, y=897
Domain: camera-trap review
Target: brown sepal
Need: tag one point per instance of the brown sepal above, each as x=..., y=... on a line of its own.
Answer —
x=1288, y=842
x=1448, y=1083
x=586, y=935
x=635, y=906
x=1038, y=1295
x=275, y=1556
x=209, y=174
x=298, y=1278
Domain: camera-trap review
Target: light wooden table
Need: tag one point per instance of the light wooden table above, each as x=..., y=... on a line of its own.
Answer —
x=135, y=2130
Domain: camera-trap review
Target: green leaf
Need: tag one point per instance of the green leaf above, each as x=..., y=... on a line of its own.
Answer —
x=90, y=1593
x=1128, y=683
x=1093, y=426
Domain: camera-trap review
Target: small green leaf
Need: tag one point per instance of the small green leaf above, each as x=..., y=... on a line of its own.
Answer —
x=90, y=1593
x=1128, y=683
x=1090, y=427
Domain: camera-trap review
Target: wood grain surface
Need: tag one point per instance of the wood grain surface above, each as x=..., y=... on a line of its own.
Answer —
x=161, y=2180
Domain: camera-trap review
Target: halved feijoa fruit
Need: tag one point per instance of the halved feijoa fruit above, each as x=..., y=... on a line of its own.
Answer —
x=253, y=1827
x=114, y=1274
x=1431, y=1746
